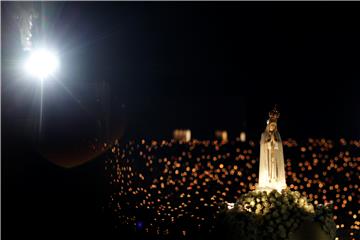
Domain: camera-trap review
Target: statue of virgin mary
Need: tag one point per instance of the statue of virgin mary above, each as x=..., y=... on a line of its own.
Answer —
x=272, y=169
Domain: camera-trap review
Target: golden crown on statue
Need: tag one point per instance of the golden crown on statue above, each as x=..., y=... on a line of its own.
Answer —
x=274, y=114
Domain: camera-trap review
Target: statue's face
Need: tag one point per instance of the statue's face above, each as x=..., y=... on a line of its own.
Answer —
x=272, y=127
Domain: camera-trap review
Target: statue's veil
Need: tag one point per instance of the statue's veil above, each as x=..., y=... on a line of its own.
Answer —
x=264, y=168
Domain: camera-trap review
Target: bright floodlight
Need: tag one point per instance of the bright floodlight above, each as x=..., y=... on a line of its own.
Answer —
x=42, y=63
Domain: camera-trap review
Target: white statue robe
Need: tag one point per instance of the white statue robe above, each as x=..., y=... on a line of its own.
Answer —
x=272, y=168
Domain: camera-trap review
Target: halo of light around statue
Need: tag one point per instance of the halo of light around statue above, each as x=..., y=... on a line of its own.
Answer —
x=42, y=63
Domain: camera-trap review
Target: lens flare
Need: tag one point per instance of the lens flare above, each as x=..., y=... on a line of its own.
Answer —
x=42, y=63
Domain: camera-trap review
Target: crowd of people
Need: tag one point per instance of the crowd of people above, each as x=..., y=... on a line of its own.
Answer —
x=177, y=188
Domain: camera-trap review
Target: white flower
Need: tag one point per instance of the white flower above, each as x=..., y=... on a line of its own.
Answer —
x=283, y=212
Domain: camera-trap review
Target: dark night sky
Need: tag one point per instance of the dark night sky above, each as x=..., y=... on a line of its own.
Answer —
x=191, y=65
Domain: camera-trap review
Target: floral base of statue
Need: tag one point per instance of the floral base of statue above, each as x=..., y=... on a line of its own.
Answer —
x=274, y=215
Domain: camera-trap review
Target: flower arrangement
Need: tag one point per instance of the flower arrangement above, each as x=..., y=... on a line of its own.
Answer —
x=273, y=215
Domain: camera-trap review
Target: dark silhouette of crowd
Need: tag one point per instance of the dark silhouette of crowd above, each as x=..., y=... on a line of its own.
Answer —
x=172, y=188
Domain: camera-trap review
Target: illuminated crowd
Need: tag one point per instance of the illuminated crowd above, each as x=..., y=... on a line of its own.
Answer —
x=176, y=188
